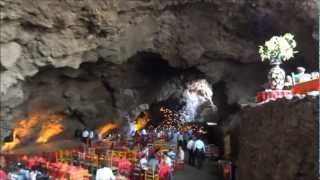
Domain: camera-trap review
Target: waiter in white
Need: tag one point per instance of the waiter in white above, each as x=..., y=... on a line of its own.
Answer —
x=199, y=150
x=85, y=136
x=190, y=146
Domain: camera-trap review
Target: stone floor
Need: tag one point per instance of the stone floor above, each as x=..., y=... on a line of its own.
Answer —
x=208, y=172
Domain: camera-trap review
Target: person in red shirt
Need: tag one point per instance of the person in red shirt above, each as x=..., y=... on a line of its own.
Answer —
x=3, y=174
x=164, y=170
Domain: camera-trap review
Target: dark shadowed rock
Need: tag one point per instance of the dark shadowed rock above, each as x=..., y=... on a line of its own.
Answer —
x=277, y=140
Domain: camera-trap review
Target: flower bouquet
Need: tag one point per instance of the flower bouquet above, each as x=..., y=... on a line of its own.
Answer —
x=278, y=49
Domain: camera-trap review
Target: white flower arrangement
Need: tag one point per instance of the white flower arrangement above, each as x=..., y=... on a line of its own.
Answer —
x=278, y=48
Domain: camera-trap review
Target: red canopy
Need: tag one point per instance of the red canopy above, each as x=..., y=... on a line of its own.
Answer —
x=302, y=88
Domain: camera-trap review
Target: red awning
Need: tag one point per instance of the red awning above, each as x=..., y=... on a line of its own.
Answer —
x=302, y=88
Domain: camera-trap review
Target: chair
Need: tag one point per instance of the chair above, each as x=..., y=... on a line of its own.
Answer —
x=60, y=155
x=151, y=175
x=87, y=177
x=102, y=158
x=224, y=169
x=95, y=161
x=122, y=154
x=114, y=170
x=67, y=156
x=91, y=150
x=108, y=157
x=178, y=165
x=131, y=156
x=92, y=162
x=137, y=174
x=52, y=157
x=87, y=161
x=75, y=158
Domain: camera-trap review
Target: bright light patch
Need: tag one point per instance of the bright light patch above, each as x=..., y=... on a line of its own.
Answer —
x=197, y=93
x=211, y=124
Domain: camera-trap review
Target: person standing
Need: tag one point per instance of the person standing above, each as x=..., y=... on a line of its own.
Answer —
x=3, y=174
x=143, y=163
x=23, y=173
x=153, y=163
x=185, y=139
x=85, y=136
x=169, y=162
x=174, y=139
x=144, y=132
x=180, y=154
x=190, y=146
x=190, y=133
x=105, y=173
x=180, y=139
x=144, y=136
x=91, y=137
x=199, y=150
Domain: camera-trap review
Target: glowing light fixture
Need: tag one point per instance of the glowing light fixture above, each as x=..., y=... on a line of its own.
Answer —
x=211, y=124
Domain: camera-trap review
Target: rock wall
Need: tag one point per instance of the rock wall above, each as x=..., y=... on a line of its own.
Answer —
x=277, y=141
x=95, y=93
x=217, y=38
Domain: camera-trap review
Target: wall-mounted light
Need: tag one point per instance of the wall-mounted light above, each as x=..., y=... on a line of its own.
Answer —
x=211, y=124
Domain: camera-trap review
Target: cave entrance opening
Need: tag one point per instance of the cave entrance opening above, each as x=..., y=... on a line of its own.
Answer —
x=179, y=114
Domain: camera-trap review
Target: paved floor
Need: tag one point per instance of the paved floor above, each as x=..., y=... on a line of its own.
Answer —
x=208, y=172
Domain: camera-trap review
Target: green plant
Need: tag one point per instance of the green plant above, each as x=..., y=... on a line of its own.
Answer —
x=278, y=48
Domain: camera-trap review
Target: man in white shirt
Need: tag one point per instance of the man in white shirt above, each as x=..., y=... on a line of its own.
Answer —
x=159, y=134
x=144, y=136
x=144, y=132
x=105, y=174
x=199, y=145
x=180, y=153
x=143, y=163
x=190, y=146
x=85, y=136
x=199, y=150
x=85, y=133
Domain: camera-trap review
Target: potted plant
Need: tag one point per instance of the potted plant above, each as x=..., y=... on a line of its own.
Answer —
x=277, y=50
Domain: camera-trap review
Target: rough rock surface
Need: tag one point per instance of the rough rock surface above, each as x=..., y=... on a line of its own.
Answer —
x=277, y=140
x=217, y=38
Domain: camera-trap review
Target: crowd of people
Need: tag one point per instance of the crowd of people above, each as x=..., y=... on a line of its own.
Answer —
x=150, y=158
x=184, y=141
x=21, y=172
x=162, y=162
